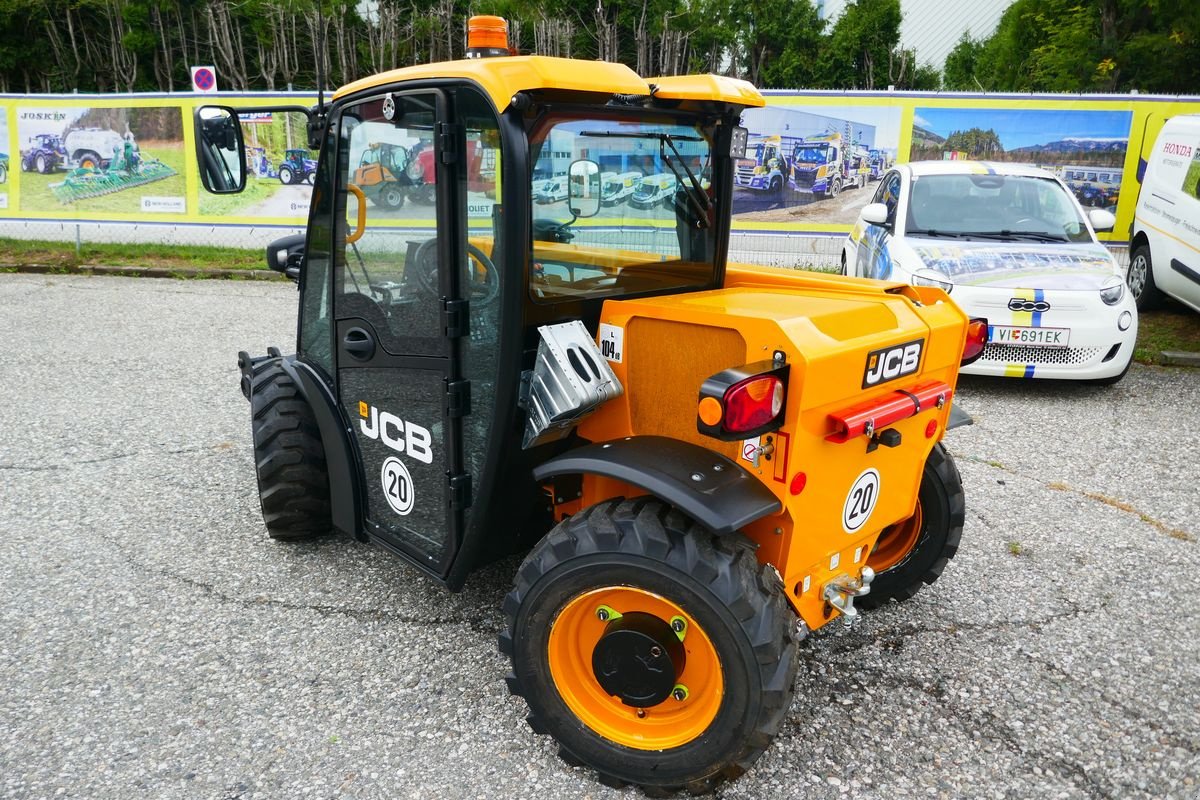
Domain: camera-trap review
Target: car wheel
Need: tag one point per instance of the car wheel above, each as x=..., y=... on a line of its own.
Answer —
x=916, y=550
x=286, y=176
x=390, y=197
x=835, y=188
x=651, y=650
x=1141, y=279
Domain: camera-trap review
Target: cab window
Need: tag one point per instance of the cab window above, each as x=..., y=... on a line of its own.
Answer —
x=656, y=227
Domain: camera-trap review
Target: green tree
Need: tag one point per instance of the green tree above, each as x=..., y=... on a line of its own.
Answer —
x=861, y=45
x=962, y=64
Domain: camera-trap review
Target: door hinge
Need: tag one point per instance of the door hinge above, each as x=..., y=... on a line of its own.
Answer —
x=456, y=318
x=458, y=398
x=448, y=138
x=460, y=491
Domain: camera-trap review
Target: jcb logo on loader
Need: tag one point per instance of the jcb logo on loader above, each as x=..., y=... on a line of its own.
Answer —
x=401, y=436
x=893, y=362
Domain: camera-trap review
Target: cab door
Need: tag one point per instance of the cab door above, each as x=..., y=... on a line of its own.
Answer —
x=395, y=351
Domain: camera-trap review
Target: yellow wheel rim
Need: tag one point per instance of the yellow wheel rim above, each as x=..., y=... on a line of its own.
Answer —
x=896, y=542
x=575, y=633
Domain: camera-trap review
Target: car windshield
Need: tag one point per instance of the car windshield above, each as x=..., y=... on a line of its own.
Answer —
x=811, y=155
x=993, y=207
x=659, y=236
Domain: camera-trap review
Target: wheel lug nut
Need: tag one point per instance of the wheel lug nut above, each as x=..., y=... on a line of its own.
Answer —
x=655, y=651
x=677, y=625
x=602, y=614
x=641, y=712
x=680, y=692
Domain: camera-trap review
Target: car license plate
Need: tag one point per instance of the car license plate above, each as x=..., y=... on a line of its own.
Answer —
x=1029, y=337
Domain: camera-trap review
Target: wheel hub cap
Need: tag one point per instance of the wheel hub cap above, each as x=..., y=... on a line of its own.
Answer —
x=638, y=659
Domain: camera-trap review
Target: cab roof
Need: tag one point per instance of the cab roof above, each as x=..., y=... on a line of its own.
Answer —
x=504, y=76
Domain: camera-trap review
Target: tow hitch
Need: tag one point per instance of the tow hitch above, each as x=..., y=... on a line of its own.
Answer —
x=841, y=591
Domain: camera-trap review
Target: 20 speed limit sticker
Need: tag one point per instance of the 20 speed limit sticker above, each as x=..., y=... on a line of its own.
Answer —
x=397, y=486
x=860, y=502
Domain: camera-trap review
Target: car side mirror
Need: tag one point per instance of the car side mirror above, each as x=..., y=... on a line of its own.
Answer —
x=220, y=150
x=874, y=214
x=1102, y=220
x=583, y=193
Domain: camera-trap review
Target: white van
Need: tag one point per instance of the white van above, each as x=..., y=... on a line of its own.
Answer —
x=616, y=187
x=1164, y=255
x=653, y=189
x=551, y=191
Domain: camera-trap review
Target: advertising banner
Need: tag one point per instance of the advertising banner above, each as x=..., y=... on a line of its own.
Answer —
x=814, y=158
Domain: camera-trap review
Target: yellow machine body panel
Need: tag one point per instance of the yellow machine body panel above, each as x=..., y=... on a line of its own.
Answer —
x=503, y=77
x=826, y=330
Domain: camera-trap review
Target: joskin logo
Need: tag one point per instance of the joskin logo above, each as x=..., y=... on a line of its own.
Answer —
x=401, y=436
x=893, y=362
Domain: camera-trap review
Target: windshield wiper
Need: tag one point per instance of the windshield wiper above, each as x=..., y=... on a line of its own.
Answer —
x=1007, y=234
x=932, y=232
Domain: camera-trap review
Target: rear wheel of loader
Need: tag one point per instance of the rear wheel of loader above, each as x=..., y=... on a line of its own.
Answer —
x=654, y=652
x=293, y=485
x=391, y=197
x=915, y=551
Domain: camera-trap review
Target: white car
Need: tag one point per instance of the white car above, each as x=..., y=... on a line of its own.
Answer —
x=1012, y=244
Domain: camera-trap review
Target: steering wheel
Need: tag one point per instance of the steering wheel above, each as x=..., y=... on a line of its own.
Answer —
x=483, y=280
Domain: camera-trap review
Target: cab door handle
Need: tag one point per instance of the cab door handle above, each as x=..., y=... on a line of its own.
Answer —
x=359, y=344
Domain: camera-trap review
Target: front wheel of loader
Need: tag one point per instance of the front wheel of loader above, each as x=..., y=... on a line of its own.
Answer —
x=915, y=551
x=651, y=650
x=289, y=458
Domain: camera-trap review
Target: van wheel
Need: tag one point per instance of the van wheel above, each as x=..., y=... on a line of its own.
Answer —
x=916, y=550
x=1141, y=279
x=289, y=458
x=651, y=650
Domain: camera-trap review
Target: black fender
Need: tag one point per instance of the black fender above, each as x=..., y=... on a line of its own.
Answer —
x=707, y=486
x=341, y=467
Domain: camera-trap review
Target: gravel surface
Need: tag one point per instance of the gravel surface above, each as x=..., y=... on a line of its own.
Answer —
x=154, y=643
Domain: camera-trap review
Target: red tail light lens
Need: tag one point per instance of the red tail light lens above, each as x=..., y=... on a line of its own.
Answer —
x=743, y=401
x=753, y=403
x=977, y=339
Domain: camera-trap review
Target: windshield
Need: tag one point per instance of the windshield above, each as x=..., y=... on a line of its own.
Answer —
x=658, y=237
x=994, y=207
x=811, y=154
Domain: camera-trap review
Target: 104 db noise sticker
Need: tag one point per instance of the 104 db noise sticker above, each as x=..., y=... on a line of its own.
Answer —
x=397, y=486
x=860, y=502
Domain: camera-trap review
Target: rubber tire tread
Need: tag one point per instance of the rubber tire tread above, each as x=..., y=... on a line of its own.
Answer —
x=289, y=457
x=726, y=566
x=941, y=483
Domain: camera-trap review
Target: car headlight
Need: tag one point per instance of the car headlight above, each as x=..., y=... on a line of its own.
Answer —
x=931, y=277
x=1112, y=291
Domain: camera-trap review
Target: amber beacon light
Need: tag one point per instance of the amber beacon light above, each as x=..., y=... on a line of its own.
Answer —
x=487, y=36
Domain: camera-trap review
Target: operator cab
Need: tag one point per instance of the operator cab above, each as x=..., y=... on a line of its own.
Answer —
x=417, y=325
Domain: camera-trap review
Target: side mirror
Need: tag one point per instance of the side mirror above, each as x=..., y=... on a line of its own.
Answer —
x=286, y=255
x=874, y=214
x=220, y=150
x=1101, y=219
x=583, y=193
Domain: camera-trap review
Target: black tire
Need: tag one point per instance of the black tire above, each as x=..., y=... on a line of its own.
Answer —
x=1140, y=279
x=89, y=160
x=289, y=458
x=286, y=176
x=391, y=196
x=835, y=187
x=943, y=510
x=646, y=544
x=42, y=165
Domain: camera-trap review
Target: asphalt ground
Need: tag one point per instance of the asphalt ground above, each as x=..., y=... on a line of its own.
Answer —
x=155, y=644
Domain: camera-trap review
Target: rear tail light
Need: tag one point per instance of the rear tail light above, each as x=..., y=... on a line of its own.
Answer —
x=743, y=401
x=977, y=339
